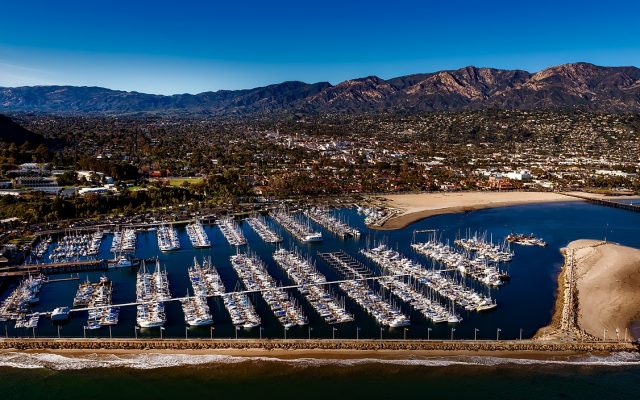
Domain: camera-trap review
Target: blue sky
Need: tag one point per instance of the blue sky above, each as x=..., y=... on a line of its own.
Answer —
x=190, y=47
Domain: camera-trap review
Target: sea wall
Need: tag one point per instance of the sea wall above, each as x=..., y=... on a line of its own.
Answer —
x=365, y=345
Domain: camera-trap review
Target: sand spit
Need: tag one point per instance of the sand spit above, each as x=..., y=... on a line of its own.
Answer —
x=598, y=293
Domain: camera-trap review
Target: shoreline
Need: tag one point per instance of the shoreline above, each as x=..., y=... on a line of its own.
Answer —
x=416, y=207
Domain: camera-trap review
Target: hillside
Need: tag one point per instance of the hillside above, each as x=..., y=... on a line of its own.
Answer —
x=571, y=86
x=10, y=132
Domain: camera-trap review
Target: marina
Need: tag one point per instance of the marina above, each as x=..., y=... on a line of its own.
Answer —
x=151, y=290
x=259, y=225
x=197, y=235
x=451, y=288
x=254, y=276
x=413, y=291
x=168, y=238
x=373, y=303
x=296, y=227
x=303, y=273
x=231, y=232
x=332, y=224
x=467, y=263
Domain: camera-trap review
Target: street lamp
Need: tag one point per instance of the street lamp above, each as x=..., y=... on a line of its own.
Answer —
x=498, y=334
x=452, y=330
x=261, y=328
x=605, y=335
x=161, y=330
x=186, y=332
x=475, y=334
x=58, y=331
x=211, y=332
x=310, y=329
x=136, y=331
x=84, y=331
x=110, y=336
x=405, y=333
x=520, y=333
x=285, y=332
x=381, y=329
x=357, y=333
x=428, y=333
x=333, y=337
x=237, y=329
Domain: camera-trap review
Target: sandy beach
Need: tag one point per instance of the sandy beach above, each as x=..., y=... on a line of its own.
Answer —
x=598, y=290
x=422, y=205
x=417, y=206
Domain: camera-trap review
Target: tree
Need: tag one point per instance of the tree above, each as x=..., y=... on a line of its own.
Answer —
x=67, y=178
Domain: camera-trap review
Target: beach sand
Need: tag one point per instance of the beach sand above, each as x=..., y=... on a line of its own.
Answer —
x=417, y=206
x=608, y=282
x=422, y=205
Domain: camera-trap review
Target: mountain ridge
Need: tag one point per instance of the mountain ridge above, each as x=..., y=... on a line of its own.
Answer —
x=569, y=86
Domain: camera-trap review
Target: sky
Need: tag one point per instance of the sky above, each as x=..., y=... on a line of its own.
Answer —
x=195, y=46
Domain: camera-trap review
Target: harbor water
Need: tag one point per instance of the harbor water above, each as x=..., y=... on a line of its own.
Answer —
x=525, y=303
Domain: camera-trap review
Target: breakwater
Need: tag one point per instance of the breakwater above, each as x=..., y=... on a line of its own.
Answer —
x=324, y=344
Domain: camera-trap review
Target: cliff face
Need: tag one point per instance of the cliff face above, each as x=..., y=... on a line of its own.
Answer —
x=580, y=85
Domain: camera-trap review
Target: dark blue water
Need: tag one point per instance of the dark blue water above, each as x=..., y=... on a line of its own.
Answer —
x=526, y=302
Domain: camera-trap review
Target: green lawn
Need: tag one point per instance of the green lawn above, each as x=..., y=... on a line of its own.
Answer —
x=180, y=181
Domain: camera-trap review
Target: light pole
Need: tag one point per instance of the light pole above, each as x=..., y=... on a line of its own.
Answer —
x=186, y=332
x=110, y=336
x=520, y=333
x=33, y=330
x=310, y=329
x=617, y=334
x=498, y=334
x=84, y=331
x=605, y=335
x=211, y=332
x=475, y=334
x=357, y=333
x=333, y=335
x=136, y=331
x=452, y=330
x=381, y=329
x=161, y=329
x=285, y=332
x=428, y=333
x=237, y=329
x=405, y=333
x=261, y=328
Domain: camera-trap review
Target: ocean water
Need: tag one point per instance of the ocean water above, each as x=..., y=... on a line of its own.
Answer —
x=173, y=376
x=524, y=304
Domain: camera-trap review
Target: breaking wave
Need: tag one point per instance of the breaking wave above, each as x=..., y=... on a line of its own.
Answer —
x=157, y=360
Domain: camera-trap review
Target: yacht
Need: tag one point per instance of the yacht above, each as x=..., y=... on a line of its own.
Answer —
x=60, y=314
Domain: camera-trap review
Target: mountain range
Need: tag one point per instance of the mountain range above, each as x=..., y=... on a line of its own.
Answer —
x=581, y=86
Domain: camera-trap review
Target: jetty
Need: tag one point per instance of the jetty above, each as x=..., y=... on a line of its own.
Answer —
x=177, y=345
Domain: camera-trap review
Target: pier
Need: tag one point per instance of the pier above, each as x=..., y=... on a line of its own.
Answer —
x=607, y=203
x=55, y=268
